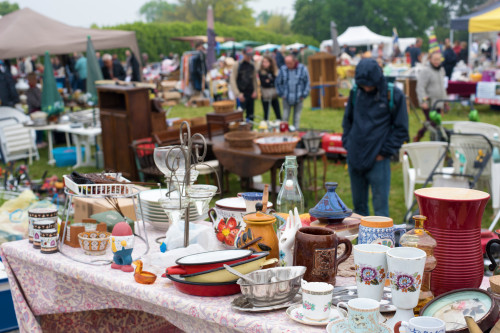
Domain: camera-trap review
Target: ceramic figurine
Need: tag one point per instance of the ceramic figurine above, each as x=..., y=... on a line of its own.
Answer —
x=141, y=276
x=287, y=238
x=122, y=244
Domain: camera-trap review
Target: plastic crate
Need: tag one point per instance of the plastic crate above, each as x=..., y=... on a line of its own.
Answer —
x=100, y=189
x=8, y=321
x=66, y=156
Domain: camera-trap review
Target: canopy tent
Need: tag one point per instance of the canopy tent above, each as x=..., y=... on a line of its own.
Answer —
x=362, y=36
x=26, y=32
x=484, y=20
x=294, y=46
x=229, y=45
x=267, y=47
x=250, y=43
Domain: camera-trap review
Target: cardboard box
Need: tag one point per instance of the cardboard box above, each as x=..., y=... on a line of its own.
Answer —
x=85, y=207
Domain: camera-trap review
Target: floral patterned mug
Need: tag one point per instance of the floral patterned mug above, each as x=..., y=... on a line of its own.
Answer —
x=422, y=324
x=363, y=315
x=316, y=300
x=370, y=262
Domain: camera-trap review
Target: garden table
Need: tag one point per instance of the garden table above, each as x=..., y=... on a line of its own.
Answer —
x=250, y=162
x=51, y=284
x=49, y=128
x=82, y=137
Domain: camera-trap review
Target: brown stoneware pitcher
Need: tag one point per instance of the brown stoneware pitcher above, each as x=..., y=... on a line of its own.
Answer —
x=316, y=249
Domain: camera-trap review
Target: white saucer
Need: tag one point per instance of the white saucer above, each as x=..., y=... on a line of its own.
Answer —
x=241, y=304
x=295, y=313
x=342, y=326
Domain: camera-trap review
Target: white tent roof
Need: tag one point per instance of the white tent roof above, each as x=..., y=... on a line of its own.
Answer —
x=295, y=46
x=361, y=35
x=266, y=47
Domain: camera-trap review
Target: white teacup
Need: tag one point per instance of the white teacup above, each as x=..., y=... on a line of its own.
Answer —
x=422, y=324
x=363, y=315
x=370, y=261
x=316, y=300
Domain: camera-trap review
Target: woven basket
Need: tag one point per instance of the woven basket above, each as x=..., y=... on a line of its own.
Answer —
x=283, y=147
x=223, y=106
x=240, y=139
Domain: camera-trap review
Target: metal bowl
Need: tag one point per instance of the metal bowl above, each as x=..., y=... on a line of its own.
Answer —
x=274, y=285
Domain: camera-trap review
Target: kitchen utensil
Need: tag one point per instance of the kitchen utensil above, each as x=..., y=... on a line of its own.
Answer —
x=454, y=219
x=316, y=249
x=370, y=263
x=405, y=267
x=204, y=289
x=249, y=265
x=243, y=276
x=345, y=294
x=451, y=307
x=94, y=243
x=241, y=303
x=422, y=324
x=362, y=317
x=296, y=313
x=316, y=300
x=377, y=230
x=205, y=261
x=272, y=286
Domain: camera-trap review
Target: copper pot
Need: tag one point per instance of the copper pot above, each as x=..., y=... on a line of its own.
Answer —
x=316, y=248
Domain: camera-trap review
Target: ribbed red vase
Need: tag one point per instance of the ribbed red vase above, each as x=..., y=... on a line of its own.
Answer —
x=454, y=220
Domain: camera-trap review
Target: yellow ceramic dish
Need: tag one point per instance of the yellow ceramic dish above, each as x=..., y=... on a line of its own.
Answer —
x=219, y=275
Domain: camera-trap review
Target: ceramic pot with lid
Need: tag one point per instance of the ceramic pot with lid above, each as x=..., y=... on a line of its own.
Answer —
x=316, y=249
x=259, y=235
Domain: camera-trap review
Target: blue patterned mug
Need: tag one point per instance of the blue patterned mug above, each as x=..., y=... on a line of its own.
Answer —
x=362, y=315
x=377, y=230
x=422, y=324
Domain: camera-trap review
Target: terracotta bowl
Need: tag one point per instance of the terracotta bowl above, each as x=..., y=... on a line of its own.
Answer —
x=94, y=243
x=145, y=277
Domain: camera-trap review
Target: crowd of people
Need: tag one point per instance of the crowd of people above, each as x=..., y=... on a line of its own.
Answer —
x=271, y=76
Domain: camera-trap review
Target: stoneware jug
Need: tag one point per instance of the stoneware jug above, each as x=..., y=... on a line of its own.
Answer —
x=316, y=249
x=259, y=235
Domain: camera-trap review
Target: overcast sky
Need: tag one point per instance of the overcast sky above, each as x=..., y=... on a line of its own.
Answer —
x=110, y=12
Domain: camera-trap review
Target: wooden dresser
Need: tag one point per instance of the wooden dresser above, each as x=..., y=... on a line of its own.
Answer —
x=125, y=116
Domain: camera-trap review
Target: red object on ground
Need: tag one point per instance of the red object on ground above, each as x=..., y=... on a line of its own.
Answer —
x=332, y=144
x=463, y=89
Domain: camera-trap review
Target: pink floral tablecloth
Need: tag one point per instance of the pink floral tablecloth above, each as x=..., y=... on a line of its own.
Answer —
x=44, y=284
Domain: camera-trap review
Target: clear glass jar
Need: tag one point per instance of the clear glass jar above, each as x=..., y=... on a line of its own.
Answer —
x=290, y=195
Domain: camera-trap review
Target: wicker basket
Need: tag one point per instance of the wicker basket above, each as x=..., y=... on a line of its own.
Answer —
x=240, y=139
x=223, y=106
x=269, y=146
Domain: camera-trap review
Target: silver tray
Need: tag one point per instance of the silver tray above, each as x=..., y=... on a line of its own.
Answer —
x=241, y=304
x=345, y=294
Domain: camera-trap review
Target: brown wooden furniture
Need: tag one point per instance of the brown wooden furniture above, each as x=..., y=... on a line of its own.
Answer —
x=158, y=116
x=125, y=116
x=312, y=182
x=222, y=119
x=250, y=162
x=322, y=68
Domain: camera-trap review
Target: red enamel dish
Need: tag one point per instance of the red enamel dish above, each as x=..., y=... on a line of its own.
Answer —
x=204, y=289
x=196, y=263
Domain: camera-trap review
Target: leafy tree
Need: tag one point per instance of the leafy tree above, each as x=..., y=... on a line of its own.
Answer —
x=278, y=23
x=7, y=7
x=452, y=9
x=158, y=11
x=232, y=12
x=263, y=17
x=410, y=17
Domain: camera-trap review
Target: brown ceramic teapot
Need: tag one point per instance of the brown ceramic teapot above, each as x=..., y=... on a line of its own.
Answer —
x=316, y=249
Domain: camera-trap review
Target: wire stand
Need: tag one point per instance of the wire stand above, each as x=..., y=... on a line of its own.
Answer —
x=133, y=195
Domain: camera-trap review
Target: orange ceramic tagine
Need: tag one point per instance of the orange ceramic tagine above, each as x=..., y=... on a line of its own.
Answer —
x=259, y=235
x=143, y=277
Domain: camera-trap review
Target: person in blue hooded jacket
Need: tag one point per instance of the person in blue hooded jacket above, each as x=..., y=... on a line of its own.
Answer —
x=375, y=126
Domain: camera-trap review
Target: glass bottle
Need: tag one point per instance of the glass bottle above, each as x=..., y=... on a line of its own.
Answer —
x=422, y=239
x=290, y=195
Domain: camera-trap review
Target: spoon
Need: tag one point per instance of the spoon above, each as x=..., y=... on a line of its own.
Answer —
x=241, y=275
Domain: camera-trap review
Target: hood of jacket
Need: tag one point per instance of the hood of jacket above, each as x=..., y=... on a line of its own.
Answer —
x=369, y=73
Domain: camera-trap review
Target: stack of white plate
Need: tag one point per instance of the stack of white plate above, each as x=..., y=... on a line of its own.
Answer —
x=155, y=215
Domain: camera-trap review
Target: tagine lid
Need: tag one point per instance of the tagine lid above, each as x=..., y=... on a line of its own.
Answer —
x=330, y=206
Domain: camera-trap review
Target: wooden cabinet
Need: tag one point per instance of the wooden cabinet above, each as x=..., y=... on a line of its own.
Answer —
x=125, y=116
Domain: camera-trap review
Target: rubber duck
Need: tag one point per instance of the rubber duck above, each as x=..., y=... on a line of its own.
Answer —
x=143, y=277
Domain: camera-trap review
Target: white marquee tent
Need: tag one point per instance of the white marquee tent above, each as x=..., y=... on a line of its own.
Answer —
x=362, y=36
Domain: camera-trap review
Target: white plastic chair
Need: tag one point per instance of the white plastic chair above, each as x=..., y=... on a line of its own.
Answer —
x=18, y=143
x=423, y=156
x=473, y=127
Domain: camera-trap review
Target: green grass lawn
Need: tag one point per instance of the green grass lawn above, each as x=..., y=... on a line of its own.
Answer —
x=330, y=119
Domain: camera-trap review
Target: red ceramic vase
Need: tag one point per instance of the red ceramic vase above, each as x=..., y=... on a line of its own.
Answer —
x=454, y=214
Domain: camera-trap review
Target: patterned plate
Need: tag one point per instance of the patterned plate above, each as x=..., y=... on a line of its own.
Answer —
x=342, y=326
x=295, y=313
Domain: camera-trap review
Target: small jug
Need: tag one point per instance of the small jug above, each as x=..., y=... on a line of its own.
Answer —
x=378, y=230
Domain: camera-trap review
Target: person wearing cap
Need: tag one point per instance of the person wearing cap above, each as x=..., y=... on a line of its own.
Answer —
x=244, y=82
x=375, y=126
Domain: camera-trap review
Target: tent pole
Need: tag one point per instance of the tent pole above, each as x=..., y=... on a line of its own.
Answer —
x=451, y=37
